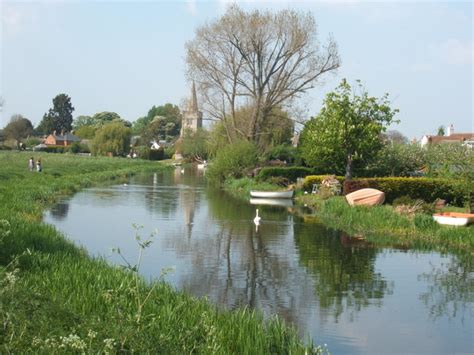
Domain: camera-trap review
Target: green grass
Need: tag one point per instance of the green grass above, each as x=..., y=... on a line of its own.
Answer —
x=54, y=298
x=382, y=226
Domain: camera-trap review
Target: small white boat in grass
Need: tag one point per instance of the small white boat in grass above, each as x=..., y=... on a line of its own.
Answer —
x=454, y=218
x=272, y=194
x=367, y=197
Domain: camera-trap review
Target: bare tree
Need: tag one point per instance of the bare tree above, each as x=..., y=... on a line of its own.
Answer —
x=260, y=60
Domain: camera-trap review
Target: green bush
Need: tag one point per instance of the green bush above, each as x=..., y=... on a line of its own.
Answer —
x=283, y=152
x=233, y=161
x=290, y=173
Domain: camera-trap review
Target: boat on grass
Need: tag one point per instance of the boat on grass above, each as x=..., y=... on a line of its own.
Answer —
x=272, y=194
x=367, y=197
x=454, y=218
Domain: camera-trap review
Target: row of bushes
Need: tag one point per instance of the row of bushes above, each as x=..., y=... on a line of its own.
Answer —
x=426, y=189
x=290, y=173
x=73, y=148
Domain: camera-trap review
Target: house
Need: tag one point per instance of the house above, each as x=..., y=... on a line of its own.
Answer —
x=450, y=137
x=154, y=145
x=63, y=139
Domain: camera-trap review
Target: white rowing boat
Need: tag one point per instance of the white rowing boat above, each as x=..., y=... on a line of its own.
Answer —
x=285, y=202
x=272, y=194
x=454, y=218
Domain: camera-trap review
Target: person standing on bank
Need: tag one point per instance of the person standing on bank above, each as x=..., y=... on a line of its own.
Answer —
x=39, y=167
x=31, y=164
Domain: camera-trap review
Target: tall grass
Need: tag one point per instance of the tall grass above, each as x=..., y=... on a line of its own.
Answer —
x=382, y=226
x=56, y=299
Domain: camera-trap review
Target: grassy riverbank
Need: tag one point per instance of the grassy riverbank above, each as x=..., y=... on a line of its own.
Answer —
x=380, y=225
x=54, y=298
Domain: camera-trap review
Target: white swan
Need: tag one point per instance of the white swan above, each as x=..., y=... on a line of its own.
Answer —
x=257, y=218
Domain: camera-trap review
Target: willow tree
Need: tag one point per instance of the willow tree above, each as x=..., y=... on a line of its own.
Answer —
x=256, y=59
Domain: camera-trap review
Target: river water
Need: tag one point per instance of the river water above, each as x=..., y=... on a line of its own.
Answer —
x=338, y=290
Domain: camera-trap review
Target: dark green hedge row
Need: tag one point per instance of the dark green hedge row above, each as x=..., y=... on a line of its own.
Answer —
x=290, y=173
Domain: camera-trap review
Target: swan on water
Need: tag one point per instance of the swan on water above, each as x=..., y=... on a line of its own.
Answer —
x=257, y=218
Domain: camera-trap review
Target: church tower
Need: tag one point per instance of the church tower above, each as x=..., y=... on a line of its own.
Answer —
x=192, y=117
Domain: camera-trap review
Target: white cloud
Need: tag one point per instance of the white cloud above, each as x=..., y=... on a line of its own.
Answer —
x=15, y=17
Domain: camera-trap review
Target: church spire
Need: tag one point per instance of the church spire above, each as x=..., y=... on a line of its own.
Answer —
x=193, y=105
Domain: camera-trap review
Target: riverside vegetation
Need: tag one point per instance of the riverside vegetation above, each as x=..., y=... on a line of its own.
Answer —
x=55, y=298
x=380, y=225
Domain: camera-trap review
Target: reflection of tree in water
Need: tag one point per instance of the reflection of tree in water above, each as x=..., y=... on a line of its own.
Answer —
x=236, y=266
x=60, y=210
x=343, y=269
x=451, y=289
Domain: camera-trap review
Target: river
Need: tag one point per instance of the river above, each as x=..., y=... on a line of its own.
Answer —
x=336, y=289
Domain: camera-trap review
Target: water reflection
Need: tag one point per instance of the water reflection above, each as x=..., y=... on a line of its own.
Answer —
x=337, y=288
x=60, y=210
x=343, y=267
x=450, y=289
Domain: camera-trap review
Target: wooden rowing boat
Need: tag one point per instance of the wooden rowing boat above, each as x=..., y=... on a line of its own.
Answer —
x=272, y=194
x=367, y=197
x=454, y=218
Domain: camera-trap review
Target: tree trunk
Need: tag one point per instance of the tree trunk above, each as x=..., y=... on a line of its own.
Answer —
x=348, y=175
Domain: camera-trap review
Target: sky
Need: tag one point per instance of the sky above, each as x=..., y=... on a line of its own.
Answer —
x=126, y=56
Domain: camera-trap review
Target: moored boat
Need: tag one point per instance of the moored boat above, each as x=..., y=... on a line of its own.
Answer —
x=285, y=202
x=367, y=197
x=454, y=218
x=272, y=194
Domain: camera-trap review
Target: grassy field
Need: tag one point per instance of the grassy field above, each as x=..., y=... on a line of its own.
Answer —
x=56, y=299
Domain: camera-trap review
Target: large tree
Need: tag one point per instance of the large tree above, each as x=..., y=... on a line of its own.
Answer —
x=258, y=59
x=112, y=138
x=59, y=117
x=18, y=128
x=348, y=129
x=161, y=122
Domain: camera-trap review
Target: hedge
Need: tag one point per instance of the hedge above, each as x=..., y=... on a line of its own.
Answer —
x=426, y=189
x=290, y=173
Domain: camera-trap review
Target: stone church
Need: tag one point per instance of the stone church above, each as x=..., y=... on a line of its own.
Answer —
x=192, y=117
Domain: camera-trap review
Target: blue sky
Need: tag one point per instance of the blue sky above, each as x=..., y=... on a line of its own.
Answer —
x=125, y=56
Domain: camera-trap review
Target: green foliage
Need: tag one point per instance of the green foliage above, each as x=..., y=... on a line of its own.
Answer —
x=31, y=142
x=59, y=118
x=86, y=132
x=167, y=125
x=195, y=145
x=455, y=162
x=112, y=138
x=233, y=161
x=347, y=131
x=284, y=152
x=397, y=160
x=290, y=173
x=18, y=128
x=145, y=152
x=81, y=121
x=77, y=147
